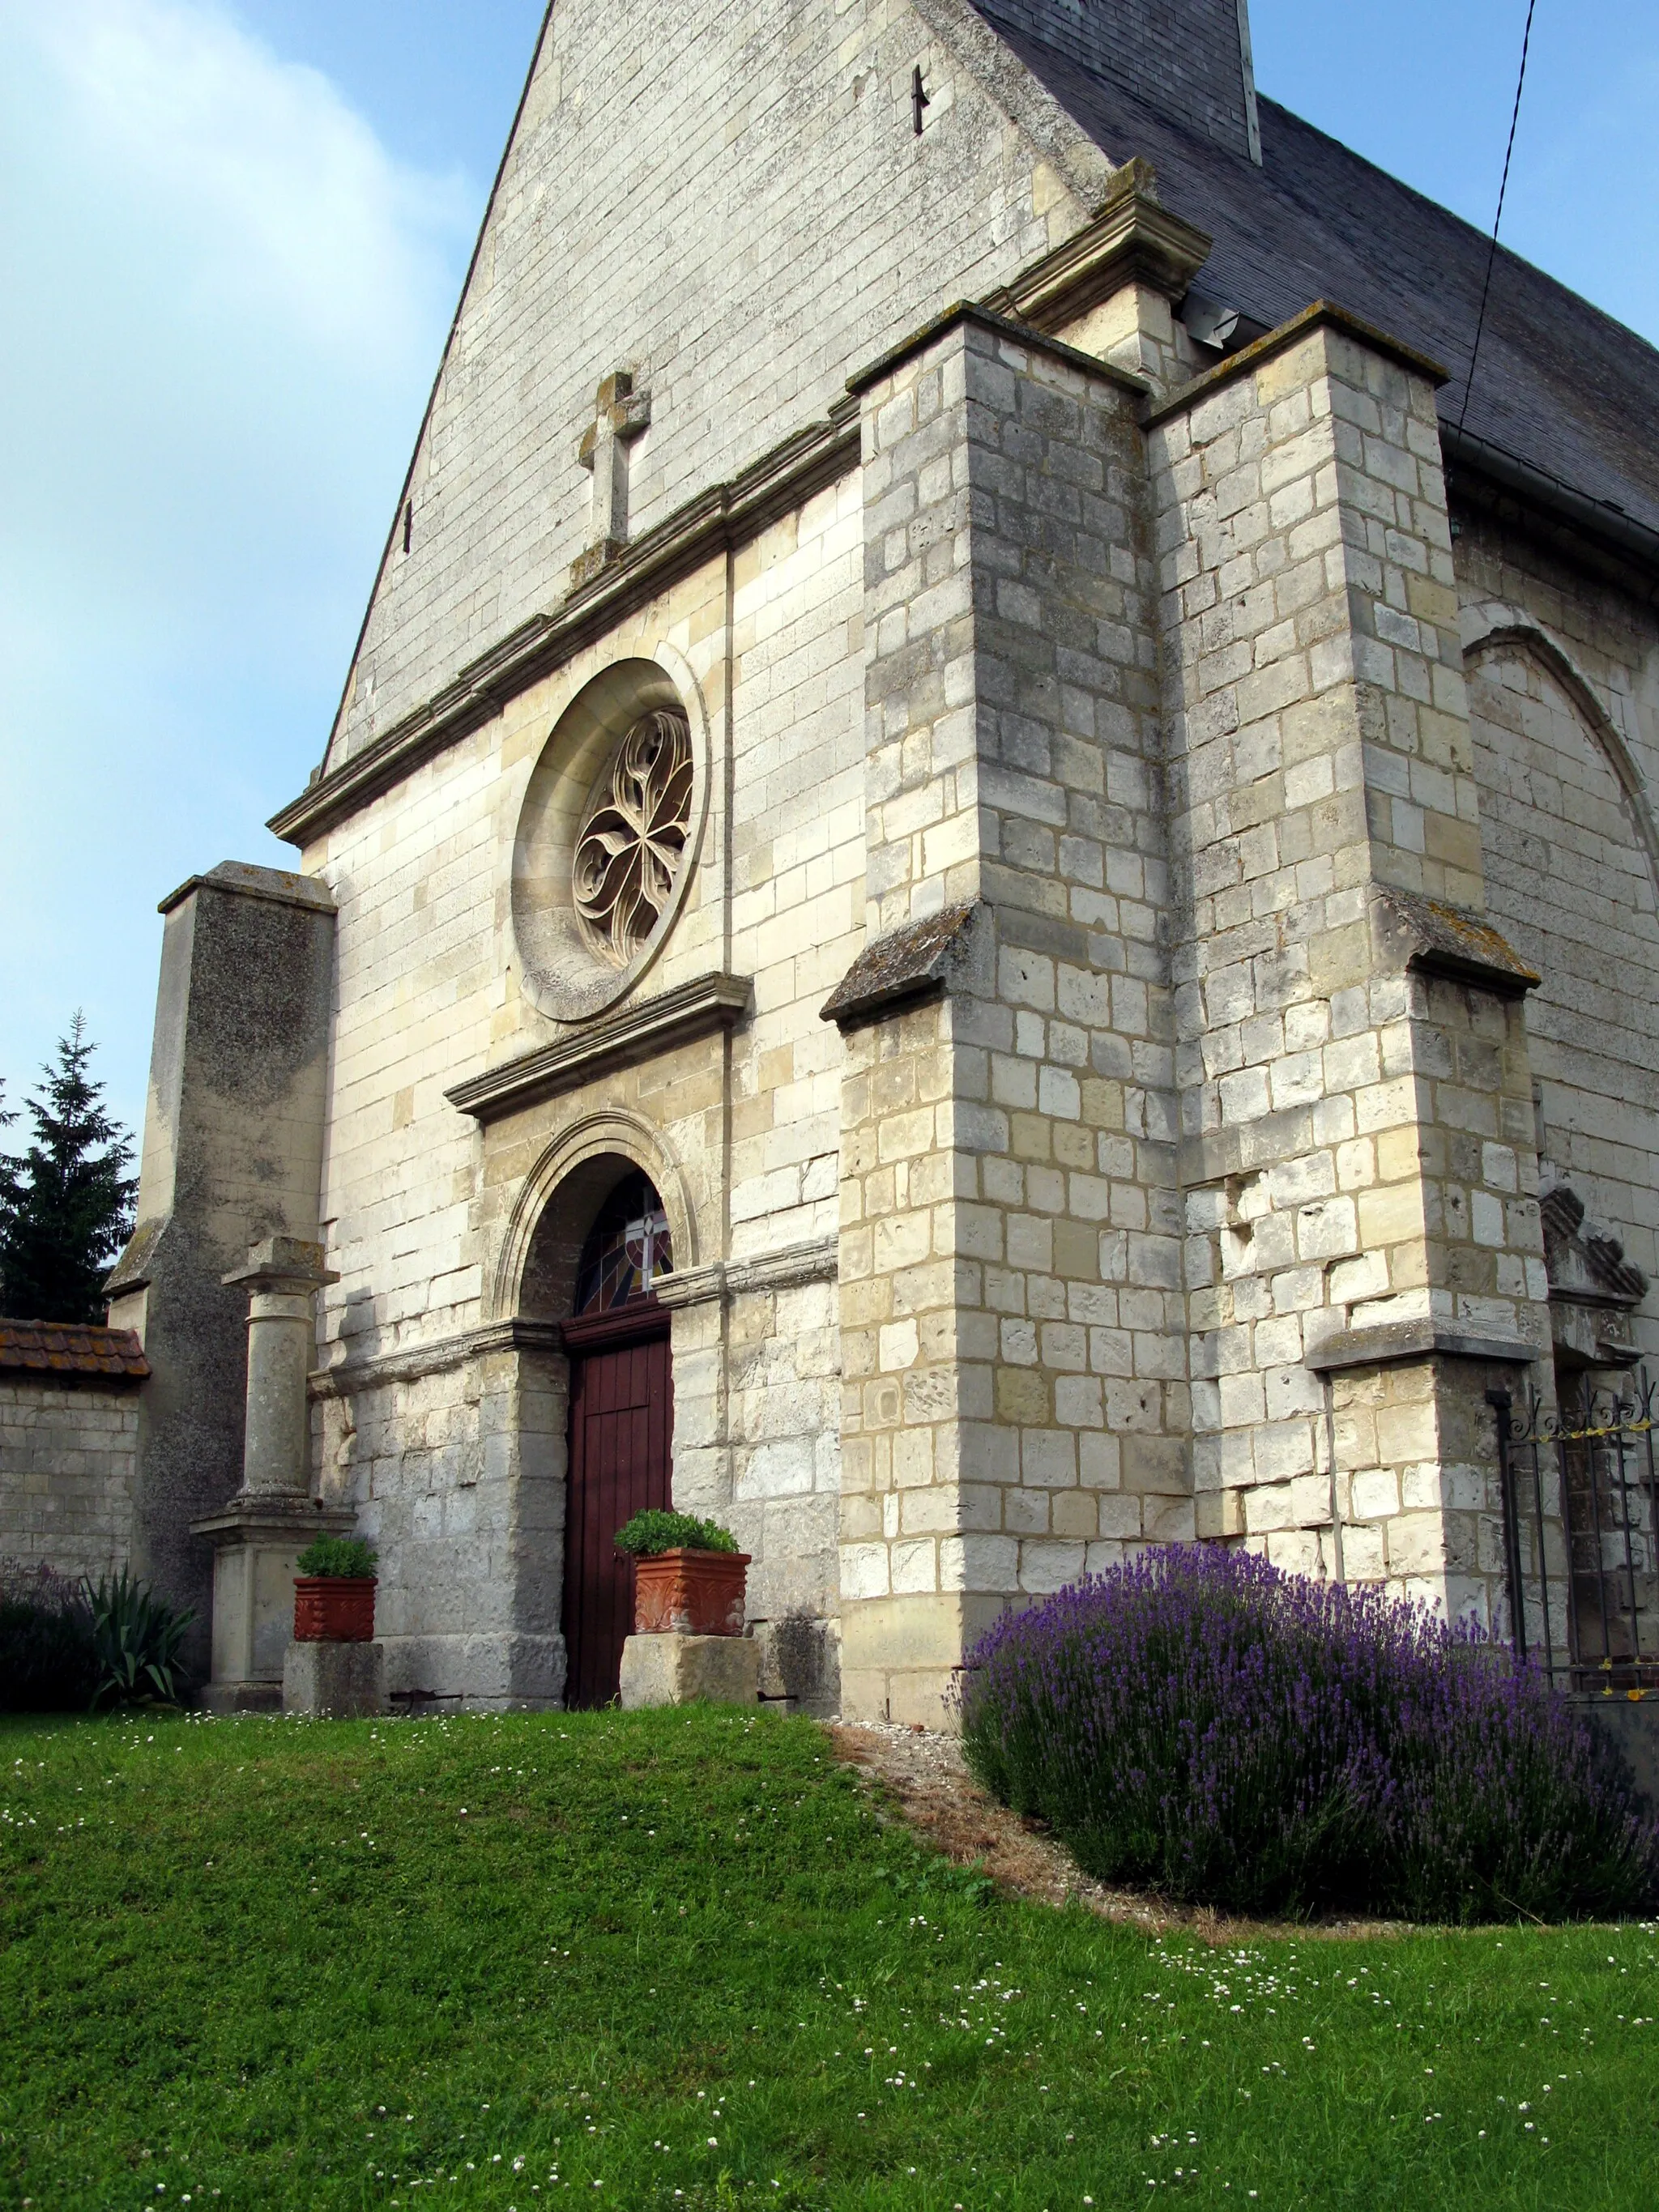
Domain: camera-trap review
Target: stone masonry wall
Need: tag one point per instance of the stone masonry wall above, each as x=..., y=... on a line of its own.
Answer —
x=1357, y=1141
x=420, y=1206
x=797, y=909
x=1563, y=683
x=233, y=1135
x=66, y=1470
x=457, y=1477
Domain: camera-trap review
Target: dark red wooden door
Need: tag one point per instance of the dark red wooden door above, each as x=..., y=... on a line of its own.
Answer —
x=621, y=1422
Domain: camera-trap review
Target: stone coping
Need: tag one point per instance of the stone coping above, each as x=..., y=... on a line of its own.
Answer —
x=988, y=319
x=281, y=887
x=1321, y=314
x=1436, y=938
x=912, y=961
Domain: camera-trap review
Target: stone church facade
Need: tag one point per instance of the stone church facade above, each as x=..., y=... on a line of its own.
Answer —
x=968, y=747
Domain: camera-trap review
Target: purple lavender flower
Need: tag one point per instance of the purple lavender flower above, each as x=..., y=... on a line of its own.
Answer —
x=1200, y=1721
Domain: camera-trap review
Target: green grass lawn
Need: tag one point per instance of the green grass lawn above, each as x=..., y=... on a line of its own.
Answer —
x=676, y=1959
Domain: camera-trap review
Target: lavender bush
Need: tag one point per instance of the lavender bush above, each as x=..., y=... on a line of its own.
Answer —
x=1237, y=1736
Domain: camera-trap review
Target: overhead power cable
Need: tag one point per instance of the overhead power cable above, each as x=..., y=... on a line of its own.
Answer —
x=1492, y=251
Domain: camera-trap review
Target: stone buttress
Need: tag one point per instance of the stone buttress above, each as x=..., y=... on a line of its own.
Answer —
x=1012, y=1317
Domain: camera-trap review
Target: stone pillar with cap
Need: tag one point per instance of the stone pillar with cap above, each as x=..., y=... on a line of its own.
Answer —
x=258, y=1534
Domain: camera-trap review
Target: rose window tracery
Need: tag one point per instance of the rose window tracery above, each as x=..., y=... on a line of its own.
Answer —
x=631, y=843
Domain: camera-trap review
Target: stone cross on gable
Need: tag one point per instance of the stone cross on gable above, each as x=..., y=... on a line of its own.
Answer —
x=621, y=410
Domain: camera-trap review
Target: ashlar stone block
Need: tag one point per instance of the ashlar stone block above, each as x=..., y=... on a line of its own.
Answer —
x=684, y=1670
x=335, y=1681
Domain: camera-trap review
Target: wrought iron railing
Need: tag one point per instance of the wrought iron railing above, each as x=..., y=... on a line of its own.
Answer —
x=1581, y=1535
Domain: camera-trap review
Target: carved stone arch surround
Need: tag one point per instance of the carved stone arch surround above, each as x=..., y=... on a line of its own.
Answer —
x=608, y=1132
x=1492, y=626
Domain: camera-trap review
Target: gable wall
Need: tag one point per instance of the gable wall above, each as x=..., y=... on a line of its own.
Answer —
x=744, y=212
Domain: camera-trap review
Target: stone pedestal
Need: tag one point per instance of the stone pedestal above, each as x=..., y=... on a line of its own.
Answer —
x=259, y=1533
x=335, y=1681
x=257, y=1544
x=684, y=1670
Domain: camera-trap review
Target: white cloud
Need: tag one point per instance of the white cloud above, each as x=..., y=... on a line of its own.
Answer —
x=280, y=206
x=225, y=300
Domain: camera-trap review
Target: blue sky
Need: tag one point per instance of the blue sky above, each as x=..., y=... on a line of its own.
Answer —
x=231, y=236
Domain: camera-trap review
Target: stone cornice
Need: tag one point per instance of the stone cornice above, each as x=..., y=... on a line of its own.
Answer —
x=1489, y=478
x=1133, y=238
x=816, y=1261
x=411, y=1362
x=271, y=1514
x=636, y=1032
x=283, y=1263
x=727, y=515
x=1322, y=315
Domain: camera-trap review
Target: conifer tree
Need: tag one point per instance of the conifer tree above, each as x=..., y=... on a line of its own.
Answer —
x=65, y=1204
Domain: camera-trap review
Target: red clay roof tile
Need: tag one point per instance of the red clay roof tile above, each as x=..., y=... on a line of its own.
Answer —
x=55, y=1347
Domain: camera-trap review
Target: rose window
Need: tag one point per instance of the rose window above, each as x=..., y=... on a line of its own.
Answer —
x=632, y=840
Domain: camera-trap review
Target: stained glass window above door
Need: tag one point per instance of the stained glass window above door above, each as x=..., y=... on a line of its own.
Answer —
x=629, y=1248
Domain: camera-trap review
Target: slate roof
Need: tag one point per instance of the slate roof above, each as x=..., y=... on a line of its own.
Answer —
x=1559, y=385
x=71, y=1349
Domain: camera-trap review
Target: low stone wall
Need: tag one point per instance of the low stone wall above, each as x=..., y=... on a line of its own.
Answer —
x=68, y=1433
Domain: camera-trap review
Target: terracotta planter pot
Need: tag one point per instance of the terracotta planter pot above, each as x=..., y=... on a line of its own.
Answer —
x=334, y=1608
x=687, y=1592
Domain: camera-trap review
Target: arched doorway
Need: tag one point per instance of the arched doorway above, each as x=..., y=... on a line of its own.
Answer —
x=622, y=1425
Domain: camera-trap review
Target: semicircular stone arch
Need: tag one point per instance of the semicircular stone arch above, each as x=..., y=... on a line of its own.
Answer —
x=1572, y=880
x=560, y=1198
